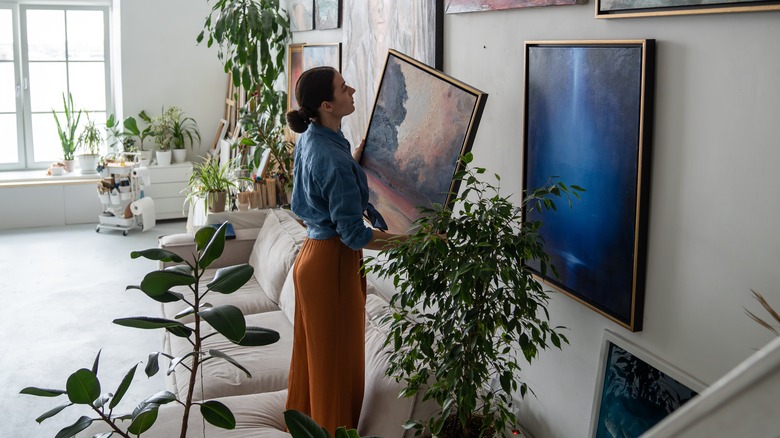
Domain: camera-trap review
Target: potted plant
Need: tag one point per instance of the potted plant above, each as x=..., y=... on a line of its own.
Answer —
x=211, y=181
x=132, y=129
x=84, y=388
x=467, y=306
x=172, y=131
x=255, y=56
x=89, y=143
x=67, y=130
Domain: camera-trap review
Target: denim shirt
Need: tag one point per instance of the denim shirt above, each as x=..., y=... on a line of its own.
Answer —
x=330, y=190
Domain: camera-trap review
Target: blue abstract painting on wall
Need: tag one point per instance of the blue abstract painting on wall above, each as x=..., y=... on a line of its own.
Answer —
x=635, y=396
x=422, y=122
x=587, y=122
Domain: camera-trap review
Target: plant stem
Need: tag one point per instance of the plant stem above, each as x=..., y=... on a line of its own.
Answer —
x=195, y=357
x=110, y=423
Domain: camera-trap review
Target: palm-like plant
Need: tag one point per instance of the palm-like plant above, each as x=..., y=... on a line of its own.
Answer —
x=67, y=128
x=211, y=177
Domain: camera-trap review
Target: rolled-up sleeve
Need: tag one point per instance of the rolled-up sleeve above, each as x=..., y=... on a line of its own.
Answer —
x=340, y=187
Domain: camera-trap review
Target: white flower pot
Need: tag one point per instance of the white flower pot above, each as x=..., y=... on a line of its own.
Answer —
x=179, y=155
x=88, y=164
x=164, y=158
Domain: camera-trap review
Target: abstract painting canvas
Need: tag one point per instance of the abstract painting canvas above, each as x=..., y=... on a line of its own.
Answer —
x=318, y=55
x=588, y=120
x=458, y=6
x=635, y=390
x=294, y=70
x=641, y=8
x=422, y=122
x=301, y=13
x=327, y=14
x=370, y=29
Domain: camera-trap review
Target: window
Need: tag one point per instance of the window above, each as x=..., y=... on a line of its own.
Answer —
x=46, y=53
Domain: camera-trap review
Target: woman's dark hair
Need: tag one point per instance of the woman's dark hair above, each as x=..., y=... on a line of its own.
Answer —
x=313, y=87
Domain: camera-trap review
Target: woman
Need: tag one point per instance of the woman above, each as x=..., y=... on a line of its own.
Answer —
x=330, y=195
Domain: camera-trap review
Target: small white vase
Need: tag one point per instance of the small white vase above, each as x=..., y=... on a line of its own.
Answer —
x=179, y=155
x=164, y=158
x=70, y=165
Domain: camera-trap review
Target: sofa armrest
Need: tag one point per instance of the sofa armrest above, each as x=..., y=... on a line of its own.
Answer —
x=236, y=251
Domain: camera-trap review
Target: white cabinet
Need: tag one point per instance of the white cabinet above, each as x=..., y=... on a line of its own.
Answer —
x=166, y=187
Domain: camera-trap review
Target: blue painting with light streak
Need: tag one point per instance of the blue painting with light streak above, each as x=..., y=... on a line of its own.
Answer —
x=582, y=125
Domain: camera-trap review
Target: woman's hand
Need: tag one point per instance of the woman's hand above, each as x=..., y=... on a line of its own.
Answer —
x=358, y=152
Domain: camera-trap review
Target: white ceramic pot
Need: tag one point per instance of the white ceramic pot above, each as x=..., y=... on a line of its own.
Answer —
x=179, y=155
x=70, y=165
x=164, y=158
x=88, y=164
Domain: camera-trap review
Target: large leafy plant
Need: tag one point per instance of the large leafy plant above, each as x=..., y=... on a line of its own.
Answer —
x=252, y=37
x=66, y=129
x=83, y=386
x=467, y=303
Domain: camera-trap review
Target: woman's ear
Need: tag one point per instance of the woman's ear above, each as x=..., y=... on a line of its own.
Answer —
x=326, y=106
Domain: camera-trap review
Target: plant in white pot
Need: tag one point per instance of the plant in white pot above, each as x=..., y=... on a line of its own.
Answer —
x=66, y=129
x=184, y=130
x=211, y=181
x=89, y=142
x=468, y=311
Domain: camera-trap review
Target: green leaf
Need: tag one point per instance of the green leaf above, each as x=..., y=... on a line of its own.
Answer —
x=52, y=412
x=221, y=355
x=80, y=424
x=96, y=362
x=301, y=425
x=218, y=414
x=83, y=387
x=159, y=282
x=181, y=331
x=148, y=322
x=227, y=320
x=143, y=419
x=123, y=386
x=213, y=249
x=230, y=279
x=152, y=364
x=158, y=254
x=161, y=398
x=42, y=392
x=258, y=336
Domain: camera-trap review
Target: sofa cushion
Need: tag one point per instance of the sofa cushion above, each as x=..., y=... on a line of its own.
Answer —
x=274, y=251
x=257, y=416
x=269, y=364
x=250, y=299
x=381, y=392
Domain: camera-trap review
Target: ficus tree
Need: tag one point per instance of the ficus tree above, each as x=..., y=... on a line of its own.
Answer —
x=83, y=387
x=467, y=304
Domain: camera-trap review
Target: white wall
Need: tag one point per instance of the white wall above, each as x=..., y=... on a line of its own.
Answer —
x=162, y=65
x=713, y=207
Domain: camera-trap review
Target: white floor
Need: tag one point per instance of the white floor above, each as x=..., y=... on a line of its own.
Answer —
x=61, y=287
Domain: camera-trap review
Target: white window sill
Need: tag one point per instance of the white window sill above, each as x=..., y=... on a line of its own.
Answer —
x=22, y=178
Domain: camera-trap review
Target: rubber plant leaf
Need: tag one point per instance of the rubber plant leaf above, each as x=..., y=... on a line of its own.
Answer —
x=221, y=355
x=42, y=392
x=213, y=249
x=301, y=425
x=80, y=424
x=148, y=322
x=83, y=387
x=158, y=254
x=227, y=320
x=230, y=279
x=258, y=336
x=122, y=389
x=52, y=412
x=158, y=283
x=218, y=414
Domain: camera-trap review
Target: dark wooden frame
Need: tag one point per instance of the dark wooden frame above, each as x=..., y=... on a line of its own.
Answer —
x=687, y=9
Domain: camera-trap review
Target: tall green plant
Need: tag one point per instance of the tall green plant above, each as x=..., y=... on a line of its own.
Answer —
x=465, y=303
x=252, y=37
x=67, y=128
x=84, y=388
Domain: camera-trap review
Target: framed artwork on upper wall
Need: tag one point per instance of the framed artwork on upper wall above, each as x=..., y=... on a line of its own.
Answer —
x=588, y=121
x=643, y=8
x=301, y=13
x=327, y=14
x=459, y=6
x=370, y=29
x=635, y=389
x=422, y=122
x=294, y=70
x=319, y=55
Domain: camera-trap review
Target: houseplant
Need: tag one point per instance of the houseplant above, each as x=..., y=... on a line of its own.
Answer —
x=83, y=386
x=89, y=142
x=211, y=182
x=131, y=129
x=252, y=36
x=67, y=130
x=172, y=131
x=464, y=358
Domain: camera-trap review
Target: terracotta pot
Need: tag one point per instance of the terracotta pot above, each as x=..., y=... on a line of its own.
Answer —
x=217, y=201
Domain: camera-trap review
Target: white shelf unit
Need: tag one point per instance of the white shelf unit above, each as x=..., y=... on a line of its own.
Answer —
x=167, y=184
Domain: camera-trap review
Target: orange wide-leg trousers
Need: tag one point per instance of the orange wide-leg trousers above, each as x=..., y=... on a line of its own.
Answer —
x=327, y=369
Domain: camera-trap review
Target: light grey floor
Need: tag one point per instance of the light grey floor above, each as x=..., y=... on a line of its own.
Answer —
x=61, y=287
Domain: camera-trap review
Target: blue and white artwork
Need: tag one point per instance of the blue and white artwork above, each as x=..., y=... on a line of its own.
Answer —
x=421, y=123
x=585, y=119
x=635, y=396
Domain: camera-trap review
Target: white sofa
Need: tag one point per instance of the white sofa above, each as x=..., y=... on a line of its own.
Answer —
x=269, y=243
